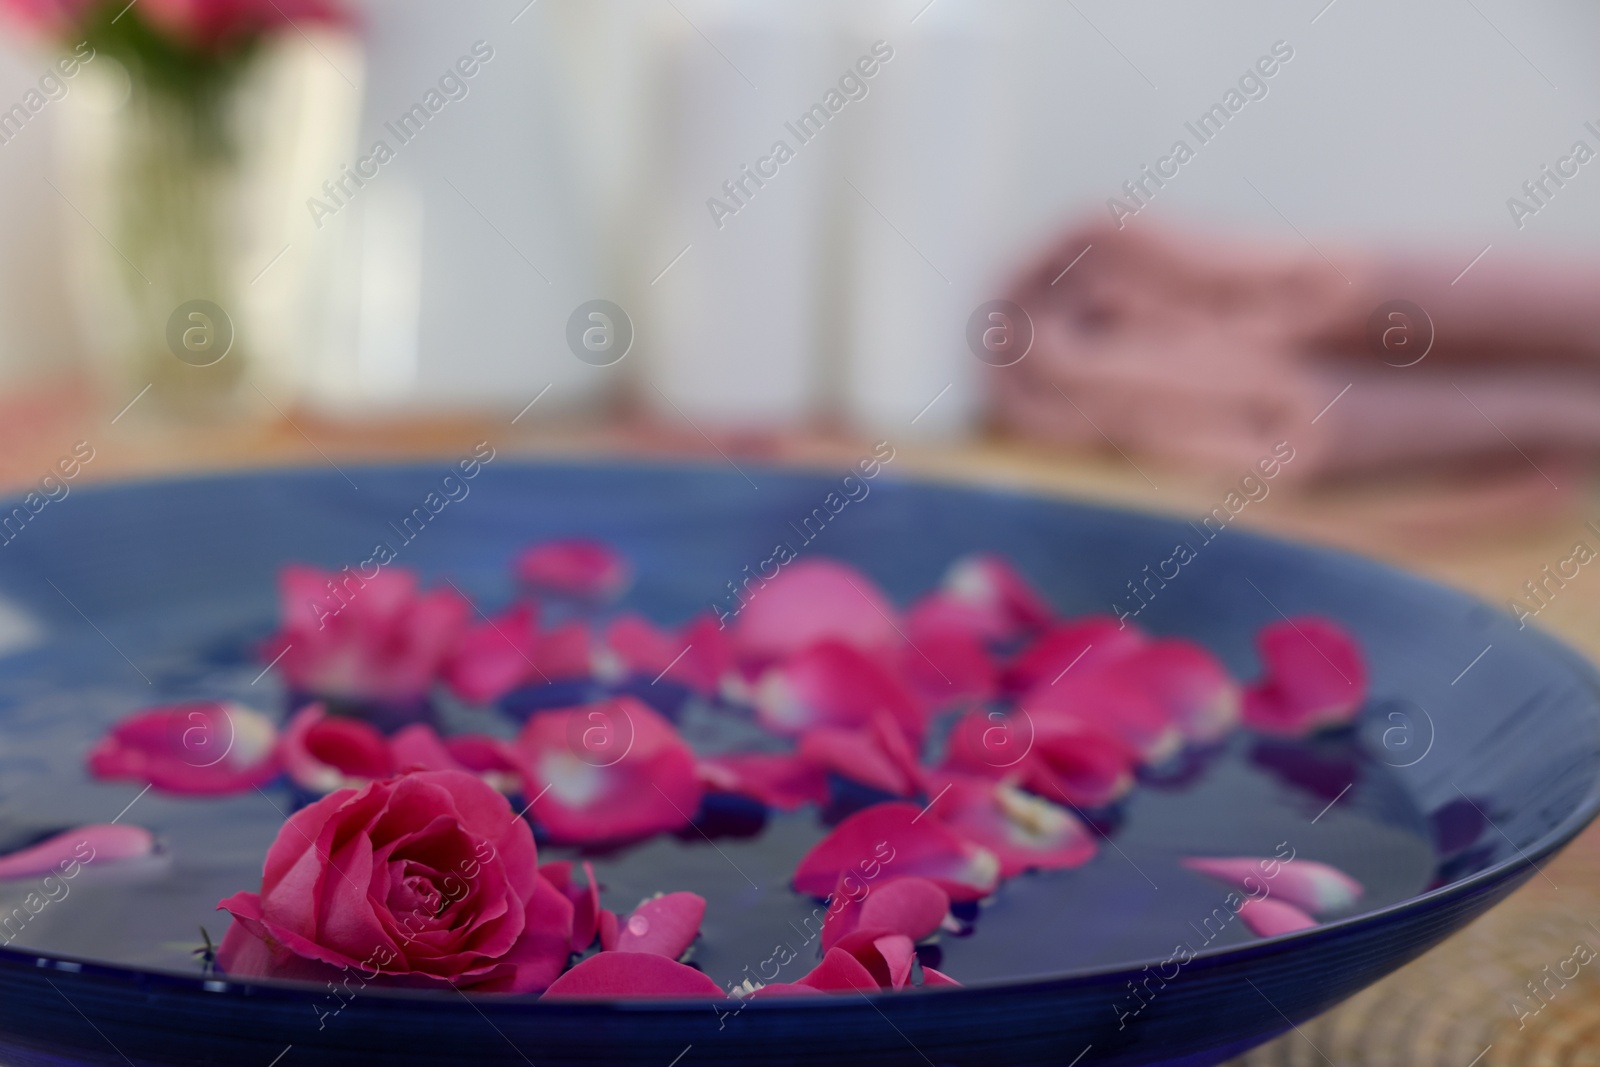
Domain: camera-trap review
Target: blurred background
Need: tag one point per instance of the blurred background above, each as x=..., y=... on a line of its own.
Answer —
x=310, y=231
x=579, y=161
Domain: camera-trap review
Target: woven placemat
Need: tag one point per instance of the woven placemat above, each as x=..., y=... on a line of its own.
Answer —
x=1469, y=1002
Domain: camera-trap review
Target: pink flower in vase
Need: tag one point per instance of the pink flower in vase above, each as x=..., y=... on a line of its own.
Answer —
x=54, y=17
x=214, y=24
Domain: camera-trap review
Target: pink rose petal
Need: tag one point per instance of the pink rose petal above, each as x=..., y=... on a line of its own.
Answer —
x=708, y=661
x=586, y=911
x=201, y=749
x=991, y=743
x=419, y=747
x=914, y=907
x=633, y=646
x=632, y=974
x=1269, y=918
x=1315, y=677
x=99, y=843
x=364, y=639
x=577, y=567
x=944, y=665
x=932, y=979
x=1024, y=832
x=833, y=684
x=840, y=972
x=943, y=612
x=564, y=652
x=886, y=956
x=495, y=656
x=490, y=758
x=323, y=753
x=992, y=587
x=781, y=781
x=1076, y=762
x=1117, y=703
x=813, y=600
x=1069, y=647
x=608, y=772
x=911, y=906
x=666, y=925
x=1190, y=683
x=894, y=835
x=877, y=756
x=1308, y=885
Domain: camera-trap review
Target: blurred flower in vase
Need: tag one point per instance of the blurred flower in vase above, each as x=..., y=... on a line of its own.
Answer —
x=184, y=150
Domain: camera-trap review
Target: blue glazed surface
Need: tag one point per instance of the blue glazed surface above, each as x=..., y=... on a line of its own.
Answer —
x=130, y=595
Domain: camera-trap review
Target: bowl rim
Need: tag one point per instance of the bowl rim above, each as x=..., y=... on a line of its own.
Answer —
x=1524, y=864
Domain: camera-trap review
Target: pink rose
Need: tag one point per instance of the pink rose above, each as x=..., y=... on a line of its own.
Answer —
x=424, y=880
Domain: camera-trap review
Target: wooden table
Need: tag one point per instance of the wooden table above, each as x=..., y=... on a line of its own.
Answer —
x=1452, y=1008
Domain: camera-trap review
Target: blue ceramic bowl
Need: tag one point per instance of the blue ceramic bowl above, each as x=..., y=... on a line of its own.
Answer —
x=1476, y=759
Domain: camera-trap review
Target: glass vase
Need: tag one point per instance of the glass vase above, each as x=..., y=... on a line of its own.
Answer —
x=199, y=277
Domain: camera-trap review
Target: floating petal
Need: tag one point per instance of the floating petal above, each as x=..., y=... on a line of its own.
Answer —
x=1190, y=683
x=631, y=974
x=833, y=684
x=1077, y=762
x=666, y=925
x=783, y=781
x=325, y=752
x=813, y=600
x=201, y=749
x=495, y=656
x=946, y=666
x=1080, y=645
x=886, y=956
x=585, y=900
x=1025, y=832
x=1269, y=918
x=877, y=756
x=708, y=661
x=419, y=747
x=840, y=972
x=63, y=854
x=896, y=835
x=355, y=638
x=1117, y=703
x=914, y=907
x=633, y=646
x=577, y=567
x=994, y=588
x=490, y=758
x=608, y=772
x=1313, y=887
x=1316, y=677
